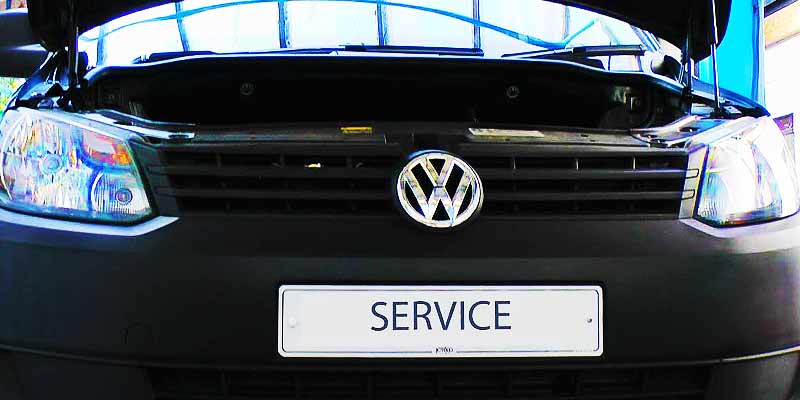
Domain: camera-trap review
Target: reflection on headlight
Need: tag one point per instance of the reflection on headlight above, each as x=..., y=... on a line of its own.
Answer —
x=52, y=167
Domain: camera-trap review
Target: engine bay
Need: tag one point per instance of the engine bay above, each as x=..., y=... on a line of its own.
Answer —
x=237, y=90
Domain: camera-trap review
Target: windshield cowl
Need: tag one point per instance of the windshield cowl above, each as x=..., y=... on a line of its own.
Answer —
x=652, y=63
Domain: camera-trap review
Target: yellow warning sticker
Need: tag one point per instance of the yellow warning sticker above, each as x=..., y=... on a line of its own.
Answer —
x=357, y=130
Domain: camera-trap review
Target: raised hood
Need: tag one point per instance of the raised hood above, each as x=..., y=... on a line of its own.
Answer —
x=672, y=20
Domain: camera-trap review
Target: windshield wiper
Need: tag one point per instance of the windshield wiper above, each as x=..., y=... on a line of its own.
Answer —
x=581, y=52
x=354, y=48
x=442, y=51
x=170, y=55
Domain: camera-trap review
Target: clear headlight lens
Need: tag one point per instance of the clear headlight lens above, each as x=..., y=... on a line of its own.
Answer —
x=56, y=168
x=749, y=176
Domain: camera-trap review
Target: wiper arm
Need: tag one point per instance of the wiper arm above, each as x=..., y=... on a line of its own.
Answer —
x=581, y=52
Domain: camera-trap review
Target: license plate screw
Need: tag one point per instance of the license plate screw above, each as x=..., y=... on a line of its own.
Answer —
x=292, y=322
x=589, y=320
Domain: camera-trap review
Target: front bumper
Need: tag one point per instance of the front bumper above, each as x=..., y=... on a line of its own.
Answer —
x=202, y=291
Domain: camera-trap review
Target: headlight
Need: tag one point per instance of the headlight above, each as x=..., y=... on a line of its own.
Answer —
x=55, y=167
x=749, y=176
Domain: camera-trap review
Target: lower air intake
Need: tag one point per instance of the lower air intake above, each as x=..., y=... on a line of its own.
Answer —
x=653, y=383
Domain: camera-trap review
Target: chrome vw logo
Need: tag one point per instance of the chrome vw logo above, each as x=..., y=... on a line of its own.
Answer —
x=439, y=190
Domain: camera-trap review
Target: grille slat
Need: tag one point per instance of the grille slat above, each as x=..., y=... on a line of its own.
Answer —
x=581, y=196
x=678, y=383
x=274, y=172
x=571, y=174
x=355, y=179
x=272, y=194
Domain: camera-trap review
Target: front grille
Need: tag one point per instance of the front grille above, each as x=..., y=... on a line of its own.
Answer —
x=682, y=383
x=281, y=178
x=355, y=179
x=620, y=182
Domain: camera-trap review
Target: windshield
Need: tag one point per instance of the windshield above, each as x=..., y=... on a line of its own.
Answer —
x=497, y=27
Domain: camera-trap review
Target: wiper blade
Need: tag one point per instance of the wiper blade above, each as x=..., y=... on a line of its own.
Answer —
x=581, y=52
x=169, y=55
x=443, y=51
x=363, y=48
x=355, y=48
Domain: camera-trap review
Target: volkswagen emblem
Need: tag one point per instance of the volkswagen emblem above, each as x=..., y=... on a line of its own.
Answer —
x=439, y=190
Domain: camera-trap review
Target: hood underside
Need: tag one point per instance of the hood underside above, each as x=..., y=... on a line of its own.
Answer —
x=672, y=20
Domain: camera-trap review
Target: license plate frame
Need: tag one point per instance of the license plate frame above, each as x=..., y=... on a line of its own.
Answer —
x=313, y=321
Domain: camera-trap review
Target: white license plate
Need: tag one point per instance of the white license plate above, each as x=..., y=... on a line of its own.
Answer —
x=440, y=321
